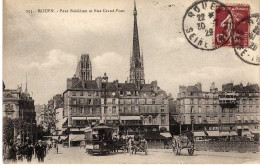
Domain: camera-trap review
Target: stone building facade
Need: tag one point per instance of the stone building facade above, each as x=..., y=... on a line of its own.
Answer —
x=235, y=108
x=18, y=104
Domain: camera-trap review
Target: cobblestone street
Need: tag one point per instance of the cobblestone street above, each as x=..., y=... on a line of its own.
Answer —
x=77, y=155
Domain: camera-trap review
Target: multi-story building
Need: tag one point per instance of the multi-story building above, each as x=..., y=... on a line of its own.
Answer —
x=233, y=109
x=81, y=100
x=201, y=108
x=130, y=107
x=243, y=103
x=18, y=104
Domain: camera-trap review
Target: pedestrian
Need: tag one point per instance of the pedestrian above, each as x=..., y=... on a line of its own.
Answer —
x=40, y=151
x=29, y=152
x=165, y=142
x=13, y=152
x=19, y=152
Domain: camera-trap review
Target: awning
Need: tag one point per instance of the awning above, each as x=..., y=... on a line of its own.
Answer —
x=93, y=118
x=129, y=117
x=233, y=133
x=64, y=120
x=239, y=127
x=224, y=134
x=79, y=118
x=213, y=133
x=112, y=118
x=196, y=134
x=246, y=133
x=238, y=118
x=256, y=131
x=166, y=134
x=63, y=137
x=79, y=137
x=88, y=129
x=245, y=127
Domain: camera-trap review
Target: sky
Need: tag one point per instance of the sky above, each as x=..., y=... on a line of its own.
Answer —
x=47, y=46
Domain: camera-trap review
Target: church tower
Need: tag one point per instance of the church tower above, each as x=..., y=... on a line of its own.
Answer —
x=136, y=59
x=84, y=69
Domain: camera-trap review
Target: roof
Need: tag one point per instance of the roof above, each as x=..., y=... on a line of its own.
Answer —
x=192, y=89
x=127, y=86
x=77, y=137
x=111, y=87
x=146, y=88
x=198, y=134
x=80, y=84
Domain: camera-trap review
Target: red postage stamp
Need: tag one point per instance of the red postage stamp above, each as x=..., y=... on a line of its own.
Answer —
x=235, y=16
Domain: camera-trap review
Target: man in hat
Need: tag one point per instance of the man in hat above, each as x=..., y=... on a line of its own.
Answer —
x=40, y=150
x=29, y=152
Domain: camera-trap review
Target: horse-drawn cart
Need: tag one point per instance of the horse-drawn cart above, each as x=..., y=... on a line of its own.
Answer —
x=183, y=141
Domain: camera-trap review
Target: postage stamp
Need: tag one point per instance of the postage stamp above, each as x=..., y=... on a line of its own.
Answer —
x=199, y=24
x=250, y=54
x=240, y=32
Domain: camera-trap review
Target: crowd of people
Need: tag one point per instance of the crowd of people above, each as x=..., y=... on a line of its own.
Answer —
x=17, y=152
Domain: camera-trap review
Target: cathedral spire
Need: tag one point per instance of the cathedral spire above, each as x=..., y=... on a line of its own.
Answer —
x=136, y=64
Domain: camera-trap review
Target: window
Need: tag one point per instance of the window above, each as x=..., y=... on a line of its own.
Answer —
x=199, y=119
x=89, y=93
x=90, y=110
x=132, y=109
x=230, y=118
x=184, y=120
x=199, y=109
x=191, y=101
x=153, y=101
x=82, y=110
x=207, y=118
x=191, y=109
x=82, y=101
x=215, y=109
x=114, y=110
x=206, y=101
x=97, y=94
x=113, y=101
x=142, y=118
x=244, y=101
x=199, y=101
x=162, y=119
x=244, y=108
x=250, y=101
x=215, y=118
x=81, y=93
x=207, y=109
x=136, y=101
x=73, y=93
x=150, y=119
x=250, y=109
x=162, y=109
x=74, y=101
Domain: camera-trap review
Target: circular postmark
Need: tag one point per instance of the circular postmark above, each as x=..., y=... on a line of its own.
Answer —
x=207, y=24
x=249, y=54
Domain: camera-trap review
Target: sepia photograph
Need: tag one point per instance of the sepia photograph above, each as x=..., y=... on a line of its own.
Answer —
x=130, y=82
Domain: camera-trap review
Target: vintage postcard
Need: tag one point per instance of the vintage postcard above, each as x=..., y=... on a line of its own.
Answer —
x=131, y=82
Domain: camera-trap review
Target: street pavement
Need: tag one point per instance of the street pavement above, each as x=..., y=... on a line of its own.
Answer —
x=155, y=156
